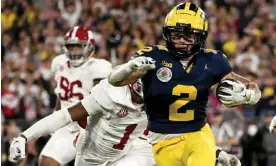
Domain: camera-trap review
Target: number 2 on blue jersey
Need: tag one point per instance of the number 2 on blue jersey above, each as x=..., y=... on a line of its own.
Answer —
x=174, y=115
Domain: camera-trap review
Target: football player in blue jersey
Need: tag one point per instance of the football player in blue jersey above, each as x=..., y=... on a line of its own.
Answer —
x=177, y=79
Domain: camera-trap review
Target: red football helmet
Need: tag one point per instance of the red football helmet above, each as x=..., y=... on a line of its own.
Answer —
x=78, y=44
x=137, y=87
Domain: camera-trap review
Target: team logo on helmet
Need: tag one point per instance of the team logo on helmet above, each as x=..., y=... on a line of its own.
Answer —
x=164, y=74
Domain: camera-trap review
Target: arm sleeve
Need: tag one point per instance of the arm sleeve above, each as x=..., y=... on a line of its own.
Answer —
x=48, y=125
x=123, y=75
x=119, y=73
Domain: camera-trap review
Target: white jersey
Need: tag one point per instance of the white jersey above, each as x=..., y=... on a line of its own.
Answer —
x=73, y=83
x=114, y=122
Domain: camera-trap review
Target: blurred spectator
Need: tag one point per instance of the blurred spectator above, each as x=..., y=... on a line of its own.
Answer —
x=248, y=144
x=8, y=18
x=248, y=60
x=224, y=132
x=9, y=100
x=70, y=12
x=49, y=12
x=267, y=101
x=264, y=143
x=10, y=130
x=269, y=142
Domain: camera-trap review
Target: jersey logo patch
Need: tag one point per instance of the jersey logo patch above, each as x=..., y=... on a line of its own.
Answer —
x=61, y=68
x=206, y=67
x=122, y=113
x=167, y=64
x=164, y=74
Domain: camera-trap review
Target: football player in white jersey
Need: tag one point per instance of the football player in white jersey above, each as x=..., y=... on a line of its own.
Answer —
x=115, y=120
x=76, y=72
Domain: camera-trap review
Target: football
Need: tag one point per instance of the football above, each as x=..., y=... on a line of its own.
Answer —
x=223, y=84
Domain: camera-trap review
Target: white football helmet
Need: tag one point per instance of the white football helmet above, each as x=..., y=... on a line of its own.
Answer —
x=78, y=44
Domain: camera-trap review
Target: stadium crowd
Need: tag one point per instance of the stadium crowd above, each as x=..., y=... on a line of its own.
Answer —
x=32, y=35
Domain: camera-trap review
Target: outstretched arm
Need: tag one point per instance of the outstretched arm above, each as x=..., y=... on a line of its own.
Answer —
x=55, y=121
x=87, y=107
x=131, y=71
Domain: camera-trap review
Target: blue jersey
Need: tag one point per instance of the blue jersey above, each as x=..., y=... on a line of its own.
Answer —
x=176, y=98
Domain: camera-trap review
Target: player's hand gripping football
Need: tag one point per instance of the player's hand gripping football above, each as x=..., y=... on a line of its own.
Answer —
x=235, y=95
x=272, y=125
x=228, y=159
x=17, y=149
x=141, y=63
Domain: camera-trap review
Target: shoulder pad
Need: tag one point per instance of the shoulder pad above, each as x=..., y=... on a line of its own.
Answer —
x=118, y=95
x=214, y=53
x=95, y=61
x=99, y=68
x=149, y=50
x=100, y=95
x=100, y=63
x=210, y=51
x=219, y=62
x=57, y=61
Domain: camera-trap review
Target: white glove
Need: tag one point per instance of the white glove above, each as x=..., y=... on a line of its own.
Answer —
x=272, y=124
x=236, y=96
x=141, y=63
x=228, y=159
x=17, y=149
